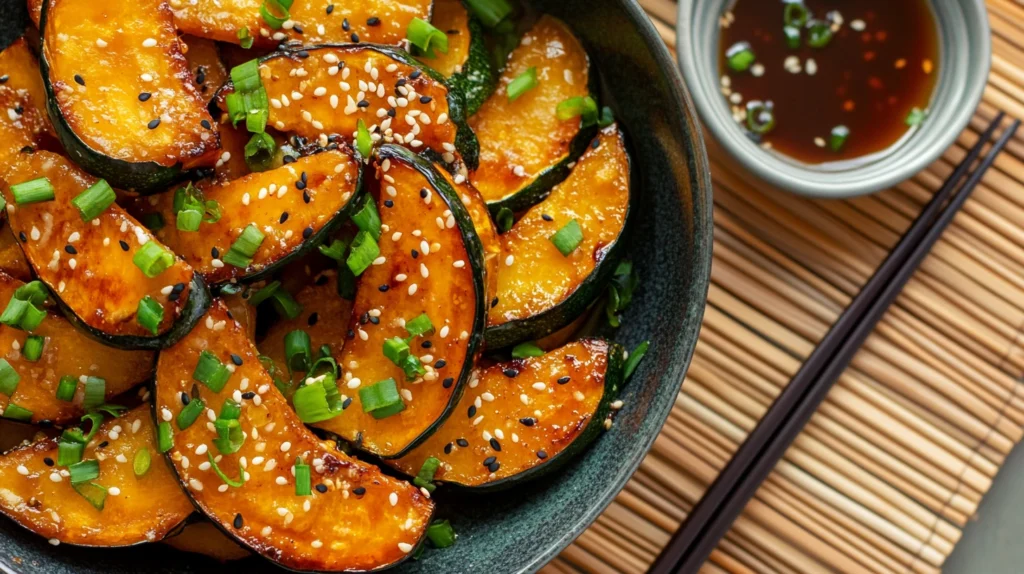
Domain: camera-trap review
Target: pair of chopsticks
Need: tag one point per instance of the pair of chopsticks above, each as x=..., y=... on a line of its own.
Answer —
x=726, y=498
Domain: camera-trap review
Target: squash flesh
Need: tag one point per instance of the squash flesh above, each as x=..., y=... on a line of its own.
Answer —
x=231, y=164
x=222, y=20
x=484, y=226
x=146, y=509
x=12, y=258
x=19, y=65
x=342, y=530
x=207, y=71
x=450, y=17
x=555, y=416
x=526, y=133
x=23, y=119
x=428, y=283
x=106, y=44
x=596, y=194
x=336, y=111
x=332, y=181
x=103, y=286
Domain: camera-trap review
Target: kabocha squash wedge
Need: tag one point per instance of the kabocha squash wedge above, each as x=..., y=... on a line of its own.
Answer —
x=289, y=210
x=327, y=90
x=309, y=21
x=23, y=121
x=124, y=507
x=525, y=417
x=351, y=517
x=119, y=92
x=98, y=270
x=467, y=64
x=423, y=291
x=66, y=353
x=540, y=289
x=524, y=148
x=19, y=71
x=484, y=226
x=12, y=258
x=208, y=72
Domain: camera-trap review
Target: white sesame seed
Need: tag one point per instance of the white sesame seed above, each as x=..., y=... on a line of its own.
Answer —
x=166, y=414
x=412, y=289
x=148, y=43
x=405, y=547
x=459, y=264
x=393, y=498
x=101, y=43
x=316, y=544
x=22, y=470
x=113, y=491
x=195, y=484
x=286, y=446
x=509, y=260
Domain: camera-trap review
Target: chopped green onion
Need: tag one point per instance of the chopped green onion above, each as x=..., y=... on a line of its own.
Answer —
x=425, y=477
x=164, y=437
x=256, y=105
x=364, y=143
x=298, y=349
x=65, y=389
x=34, y=292
x=421, y=325
x=230, y=410
x=623, y=283
x=740, y=56
x=607, y=117
x=260, y=152
x=504, y=219
x=153, y=259
x=236, y=107
x=302, y=480
x=915, y=117
x=634, y=359
x=568, y=238
x=150, y=314
x=583, y=107
x=396, y=350
x=264, y=293
x=760, y=117
x=527, y=350
x=189, y=220
x=285, y=304
x=426, y=37
x=285, y=386
x=244, y=39
x=94, y=200
x=9, y=378
x=69, y=452
x=318, y=400
x=229, y=435
x=413, y=367
x=33, y=347
x=21, y=314
x=336, y=250
x=795, y=14
x=152, y=221
x=246, y=76
x=819, y=33
x=275, y=12
x=92, y=492
x=441, y=534
x=367, y=218
x=95, y=391
x=490, y=12
x=84, y=471
x=523, y=82
x=381, y=399
x=141, y=462
x=17, y=413
x=112, y=410
x=190, y=413
x=364, y=251
x=94, y=419
x=792, y=34
x=838, y=137
x=32, y=191
x=227, y=480
x=211, y=372
x=244, y=248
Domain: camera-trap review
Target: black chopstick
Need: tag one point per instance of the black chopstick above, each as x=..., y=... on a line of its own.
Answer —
x=725, y=499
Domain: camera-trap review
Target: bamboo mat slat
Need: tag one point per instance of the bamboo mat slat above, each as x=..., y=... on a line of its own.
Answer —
x=897, y=459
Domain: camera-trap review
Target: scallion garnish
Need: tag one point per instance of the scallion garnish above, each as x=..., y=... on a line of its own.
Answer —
x=523, y=82
x=760, y=117
x=607, y=117
x=568, y=238
x=33, y=348
x=527, y=350
x=244, y=248
x=364, y=143
x=634, y=359
x=190, y=412
x=229, y=435
x=583, y=107
x=318, y=400
x=17, y=413
x=153, y=259
x=421, y=325
x=92, y=492
x=838, y=137
x=620, y=291
x=22, y=311
x=336, y=250
x=69, y=451
x=795, y=13
x=915, y=117
x=396, y=350
x=425, y=477
x=94, y=200
x=235, y=106
x=504, y=219
x=367, y=218
x=819, y=33
x=275, y=12
x=152, y=221
x=84, y=471
x=227, y=480
x=425, y=37
x=244, y=39
x=441, y=534
x=9, y=378
x=740, y=56
x=490, y=12
x=364, y=251
x=302, y=478
x=264, y=293
x=381, y=399
x=792, y=34
x=211, y=372
x=141, y=462
x=32, y=191
x=298, y=349
x=164, y=437
x=260, y=152
x=246, y=76
x=95, y=392
x=150, y=314
x=65, y=389
x=189, y=220
x=285, y=304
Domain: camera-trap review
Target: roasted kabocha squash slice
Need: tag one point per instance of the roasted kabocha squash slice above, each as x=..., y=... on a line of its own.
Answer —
x=308, y=21
x=525, y=148
x=134, y=499
x=204, y=64
x=324, y=90
x=467, y=63
x=106, y=271
x=231, y=164
x=120, y=95
x=416, y=321
x=23, y=120
x=266, y=219
x=19, y=71
x=12, y=258
x=51, y=387
x=257, y=472
x=522, y=418
x=560, y=254
x=484, y=226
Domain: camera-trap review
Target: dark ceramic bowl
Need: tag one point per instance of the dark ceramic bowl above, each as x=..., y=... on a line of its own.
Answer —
x=521, y=529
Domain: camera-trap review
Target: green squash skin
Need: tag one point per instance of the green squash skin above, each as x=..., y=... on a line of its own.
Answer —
x=475, y=253
x=199, y=300
x=576, y=304
x=478, y=78
x=143, y=177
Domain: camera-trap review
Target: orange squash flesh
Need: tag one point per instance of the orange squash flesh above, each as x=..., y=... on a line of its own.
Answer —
x=204, y=538
x=99, y=282
x=530, y=417
x=357, y=518
x=222, y=20
x=12, y=258
x=484, y=226
x=521, y=139
x=23, y=119
x=450, y=17
x=120, y=50
x=596, y=195
x=231, y=164
x=19, y=66
x=37, y=494
x=208, y=72
x=336, y=110
x=274, y=202
x=66, y=352
x=438, y=280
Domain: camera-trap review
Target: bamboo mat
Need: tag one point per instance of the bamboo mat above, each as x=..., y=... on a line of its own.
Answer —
x=897, y=459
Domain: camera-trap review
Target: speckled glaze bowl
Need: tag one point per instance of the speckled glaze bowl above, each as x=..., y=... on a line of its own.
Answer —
x=965, y=51
x=519, y=530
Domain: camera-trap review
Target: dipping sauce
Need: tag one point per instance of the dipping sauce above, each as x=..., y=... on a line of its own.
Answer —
x=823, y=81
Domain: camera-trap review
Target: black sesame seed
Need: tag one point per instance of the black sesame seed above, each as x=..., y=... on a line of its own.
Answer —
x=103, y=444
x=490, y=460
x=364, y=318
x=185, y=399
x=178, y=288
x=124, y=245
x=355, y=37
x=494, y=466
x=321, y=488
x=363, y=104
x=563, y=380
x=448, y=448
x=528, y=421
x=215, y=253
x=494, y=302
x=153, y=124
x=541, y=454
x=546, y=217
x=200, y=77
x=358, y=491
x=495, y=444
x=426, y=344
x=71, y=249
x=392, y=112
x=307, y=232
x=236, y=360
x=300, y=184
x=440, y=364
x=79, y=80
x=248, y=395
x=375, y=320
x=471, y=412
x=350, y=334
x=400, y=82
x=305, y=196
x=415, y=254
x=510, y=373
x=447, y=383
x=4, y=78
x=313, y=318
x=344, y=25
x=24, y=238
x=383, y=288
x=237, y=522
x=373, y=21
x=330, y=8
x=288, y=159
x=302, y=54
x=595, y=144
x=297, y=28
x=462, y=442
x=423, y=193
x=425, y=99
x=415, y=74
x=283, y=218
x=388, y=203
x=47, y=460
x=345, y=404
x=144, y=96
x=206, y=124
x=303, y=177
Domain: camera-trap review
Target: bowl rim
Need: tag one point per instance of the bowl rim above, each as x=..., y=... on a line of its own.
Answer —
x=913, y=155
